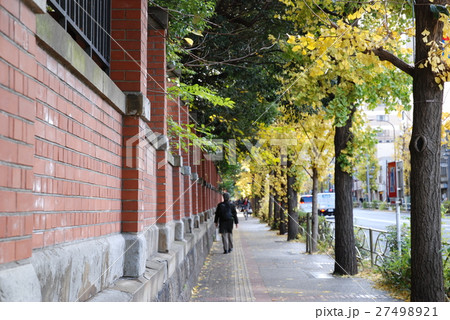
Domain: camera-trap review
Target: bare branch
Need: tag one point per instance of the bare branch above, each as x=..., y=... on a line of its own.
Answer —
x=385, y=55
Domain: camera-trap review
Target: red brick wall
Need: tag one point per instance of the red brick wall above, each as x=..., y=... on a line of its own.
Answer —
x=174, y=111
x=17, y=92
x=156, y=85
x=64, y=174
x=128, y=50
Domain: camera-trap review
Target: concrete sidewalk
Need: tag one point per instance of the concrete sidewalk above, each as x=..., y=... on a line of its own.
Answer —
x=265, y=267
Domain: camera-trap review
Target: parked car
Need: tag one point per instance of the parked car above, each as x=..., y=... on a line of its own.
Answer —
x=325, y=203
x=306, y=203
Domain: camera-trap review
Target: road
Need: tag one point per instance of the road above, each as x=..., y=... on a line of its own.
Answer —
x=377, y=219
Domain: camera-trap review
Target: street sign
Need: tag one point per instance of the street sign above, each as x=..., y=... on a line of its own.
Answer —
x=392, y=180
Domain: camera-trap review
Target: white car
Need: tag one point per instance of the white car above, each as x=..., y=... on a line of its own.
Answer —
x=325, y=203
x=306, y=203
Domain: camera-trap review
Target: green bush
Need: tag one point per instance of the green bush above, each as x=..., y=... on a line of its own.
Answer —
x=445, y=208
x=383, y=206
x=375, y=204
x=302, y=220
x=325, y=241
x=396, y=269
x=446, y=255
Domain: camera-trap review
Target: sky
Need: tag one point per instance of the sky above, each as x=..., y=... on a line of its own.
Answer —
x=446, y=107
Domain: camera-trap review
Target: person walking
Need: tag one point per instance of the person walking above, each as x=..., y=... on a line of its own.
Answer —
x=224, y=217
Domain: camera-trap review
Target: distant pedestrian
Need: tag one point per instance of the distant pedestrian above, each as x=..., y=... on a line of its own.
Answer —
x=225, y=216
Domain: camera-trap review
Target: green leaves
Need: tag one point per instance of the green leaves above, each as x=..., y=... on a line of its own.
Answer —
x=183, y=136
x=191, y=92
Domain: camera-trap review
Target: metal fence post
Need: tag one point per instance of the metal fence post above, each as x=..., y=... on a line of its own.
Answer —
x=371, y=246
x=308, y=233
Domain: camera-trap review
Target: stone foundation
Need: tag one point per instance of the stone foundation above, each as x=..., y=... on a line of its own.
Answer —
x=103, y=269
x=168, y=276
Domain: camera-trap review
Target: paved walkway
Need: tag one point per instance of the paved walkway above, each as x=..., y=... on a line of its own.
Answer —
x=265, y=267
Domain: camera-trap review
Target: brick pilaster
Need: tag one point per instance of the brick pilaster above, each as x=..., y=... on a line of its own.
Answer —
x=129, y=48
x=129, y=19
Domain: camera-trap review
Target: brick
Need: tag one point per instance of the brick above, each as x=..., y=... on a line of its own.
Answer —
x=23, y=249
x=20, y=35
x=121, y=5
x=27, y=109
x=9, y=51
x=15, y=178
x=133, y=76
x=17, y=129
x=132, y=216
x=117, y=75
x=126, y=24
x=11, y=6
x=25, y=201
x=131, y=227
x=2, y=227
x=9, y=101
x=4, y=74
x=4, y=125
x=49, y=238
x=25, y=154
x=129, y=86
x=7, y=201
x=78, y=233
x=38, y=240
x=4, y=22
x=7, y=251
x=69, y=235
x=134, y=34
x=31, y=88
x=15, y=226
x=27, y=64
x=118, y=14
x=59, y=236
x=27, y=17
x=118, y=35
x=28, y=224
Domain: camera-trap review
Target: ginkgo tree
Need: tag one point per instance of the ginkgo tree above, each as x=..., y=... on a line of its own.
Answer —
x=313, y=153
x=272, y=162
x=337, y=36
x=271, y=155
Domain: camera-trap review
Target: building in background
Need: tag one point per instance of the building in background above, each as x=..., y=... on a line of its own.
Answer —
x=390, y=127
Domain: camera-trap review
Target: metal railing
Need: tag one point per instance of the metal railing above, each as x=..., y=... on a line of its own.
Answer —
x=373, y=243
x=370, y=243
x=89, y=23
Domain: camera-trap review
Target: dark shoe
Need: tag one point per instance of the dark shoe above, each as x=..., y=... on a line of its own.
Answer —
x=229, y=250
x=225, y=252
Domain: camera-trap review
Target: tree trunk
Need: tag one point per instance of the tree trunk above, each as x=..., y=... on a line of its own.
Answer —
x=315, y=210
x=276, y=212
x=292, y=205
x=269, y=218
x=427, y=280
x=282, y=222
x=283, y=218
x=255, y=206
x=345, y=253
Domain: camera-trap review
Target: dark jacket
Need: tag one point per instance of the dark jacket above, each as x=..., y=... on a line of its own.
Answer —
x=225, y=224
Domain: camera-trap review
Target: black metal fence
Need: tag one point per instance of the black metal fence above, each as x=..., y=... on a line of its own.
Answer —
x=89, y=23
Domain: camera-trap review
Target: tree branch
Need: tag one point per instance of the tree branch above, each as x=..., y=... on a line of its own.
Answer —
x=385, y=55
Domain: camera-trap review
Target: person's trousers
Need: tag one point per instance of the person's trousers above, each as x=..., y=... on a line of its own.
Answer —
x=227, y=240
